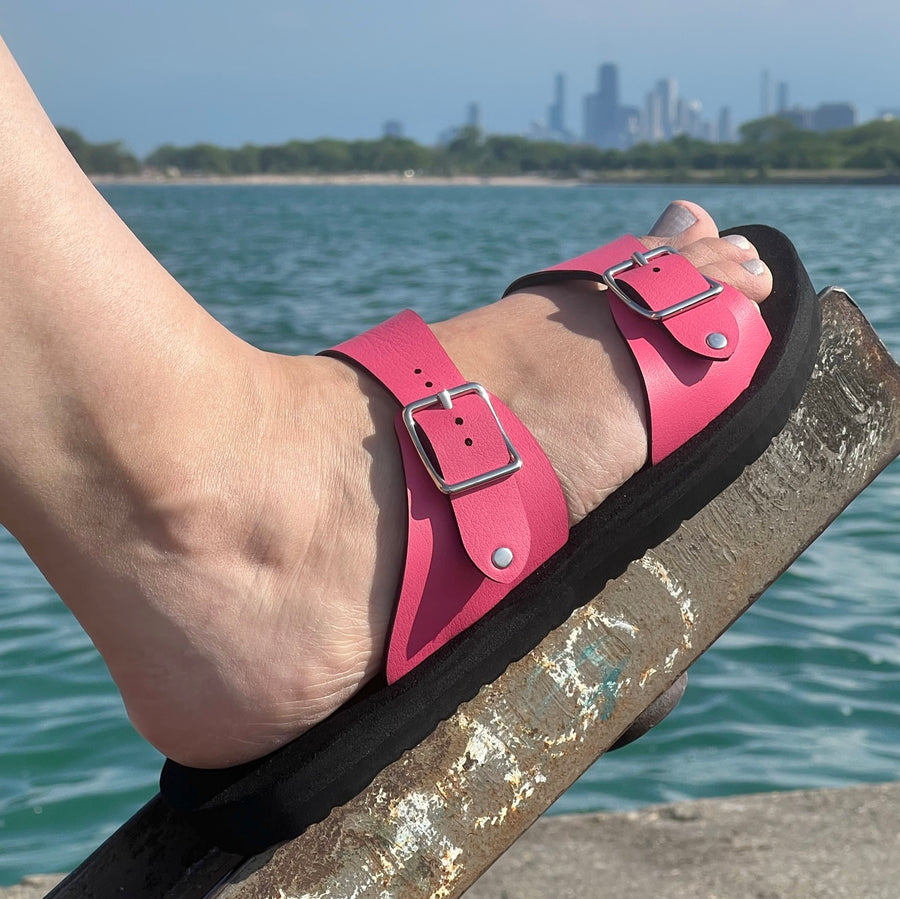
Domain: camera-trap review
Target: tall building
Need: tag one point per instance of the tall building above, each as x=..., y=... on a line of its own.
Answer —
x=556, y=113
x=667, y=91
x=472, y=120
x=782, y=104
x=652, y=127
x=831, y=116
x=608, y=89
x=825, y=117
x=725, y=133
x=802, y=118
x=606, y=122
x=393, y=128
x=664, y=112
x=690, y=119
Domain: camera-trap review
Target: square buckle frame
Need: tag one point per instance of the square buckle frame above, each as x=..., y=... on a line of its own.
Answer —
x=445, y=399
x=640, y=259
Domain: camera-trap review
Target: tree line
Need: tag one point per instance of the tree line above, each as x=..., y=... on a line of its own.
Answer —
x=768, y=144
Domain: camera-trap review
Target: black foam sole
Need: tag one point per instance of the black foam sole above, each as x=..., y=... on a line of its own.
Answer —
x=249, y=807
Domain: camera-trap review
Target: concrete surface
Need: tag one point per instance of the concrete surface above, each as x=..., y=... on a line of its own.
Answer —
x=817, y=844
x=826, y=844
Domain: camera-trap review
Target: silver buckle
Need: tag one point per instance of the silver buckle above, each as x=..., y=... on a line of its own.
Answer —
x=445, y=398
x=609, y=278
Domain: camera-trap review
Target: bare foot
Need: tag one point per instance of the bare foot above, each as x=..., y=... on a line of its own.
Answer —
x=256, y=573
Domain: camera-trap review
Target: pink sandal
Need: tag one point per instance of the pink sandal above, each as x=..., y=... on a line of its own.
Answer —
x=491, y=566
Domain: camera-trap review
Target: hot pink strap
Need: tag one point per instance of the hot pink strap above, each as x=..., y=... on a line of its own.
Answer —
x=485, y=506
x=694, y=363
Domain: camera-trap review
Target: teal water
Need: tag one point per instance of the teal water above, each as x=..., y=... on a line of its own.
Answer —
x=801, y=692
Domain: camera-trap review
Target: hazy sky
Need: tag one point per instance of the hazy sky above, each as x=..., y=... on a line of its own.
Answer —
x=233, y=71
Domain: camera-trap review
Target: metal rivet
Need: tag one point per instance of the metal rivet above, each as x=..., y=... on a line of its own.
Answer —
x=716, y=341
x=502, y=557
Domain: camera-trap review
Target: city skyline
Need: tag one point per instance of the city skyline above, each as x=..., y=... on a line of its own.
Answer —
x=609, y=123
x=182, y=72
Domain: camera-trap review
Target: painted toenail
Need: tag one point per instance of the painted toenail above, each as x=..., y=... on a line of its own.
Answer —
x=675, y=219
x=739, y=241
x=755, y=266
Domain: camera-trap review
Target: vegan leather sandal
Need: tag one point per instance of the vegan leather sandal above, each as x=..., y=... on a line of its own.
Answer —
x=491, y=566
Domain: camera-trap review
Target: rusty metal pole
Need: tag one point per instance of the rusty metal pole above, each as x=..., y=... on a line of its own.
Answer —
x=432, y=822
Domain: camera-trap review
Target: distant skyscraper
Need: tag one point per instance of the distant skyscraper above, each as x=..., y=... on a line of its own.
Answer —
x=802, y=118
x=667, y=91
x=556, y=114
x=472, y=120
x=782, y=104
x=831, y=116
x=690, y=119
x=593, y=116
x=725, y=135
x=609, y=91
x=393, y=128
x=652, y=130
x=606, y=121
x=629, y=125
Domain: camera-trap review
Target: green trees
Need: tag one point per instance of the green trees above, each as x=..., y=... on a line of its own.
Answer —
x=323, y=156
x=766, y=146
x=100, y=159
x=875, y=145
x=207, y=159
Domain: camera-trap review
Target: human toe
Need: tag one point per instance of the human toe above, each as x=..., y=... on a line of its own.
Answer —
x=750, y=276
x=680, y=224
x=733, y=259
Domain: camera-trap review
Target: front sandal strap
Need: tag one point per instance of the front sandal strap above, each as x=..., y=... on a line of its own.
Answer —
x=697, y=343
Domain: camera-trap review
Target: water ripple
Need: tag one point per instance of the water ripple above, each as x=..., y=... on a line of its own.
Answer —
x=801, y=692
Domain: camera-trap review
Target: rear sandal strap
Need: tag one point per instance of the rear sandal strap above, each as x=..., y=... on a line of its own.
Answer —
x=485, y=506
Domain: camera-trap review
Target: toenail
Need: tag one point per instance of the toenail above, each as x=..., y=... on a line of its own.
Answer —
x=755, y=266
x=739, y=241
x=675, y=219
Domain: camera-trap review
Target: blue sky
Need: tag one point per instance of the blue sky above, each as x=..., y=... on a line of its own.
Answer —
x=235, y=71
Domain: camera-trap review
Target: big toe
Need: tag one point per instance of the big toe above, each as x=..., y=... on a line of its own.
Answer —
x=733, y=260
x=683, y=223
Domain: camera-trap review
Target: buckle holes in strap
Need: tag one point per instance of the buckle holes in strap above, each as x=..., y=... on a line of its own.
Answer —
x=445, y=398
x=458, y=421
x=417, y=371
x=468, y=441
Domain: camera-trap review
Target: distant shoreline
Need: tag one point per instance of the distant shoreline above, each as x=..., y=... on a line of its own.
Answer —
x=788, y=177
x=349, y=178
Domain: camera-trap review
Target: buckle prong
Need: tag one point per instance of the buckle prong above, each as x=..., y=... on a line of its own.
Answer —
x=641, y=259
x=445, y=399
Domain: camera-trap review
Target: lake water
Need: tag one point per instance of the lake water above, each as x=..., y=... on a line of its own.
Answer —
x=801, y=692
